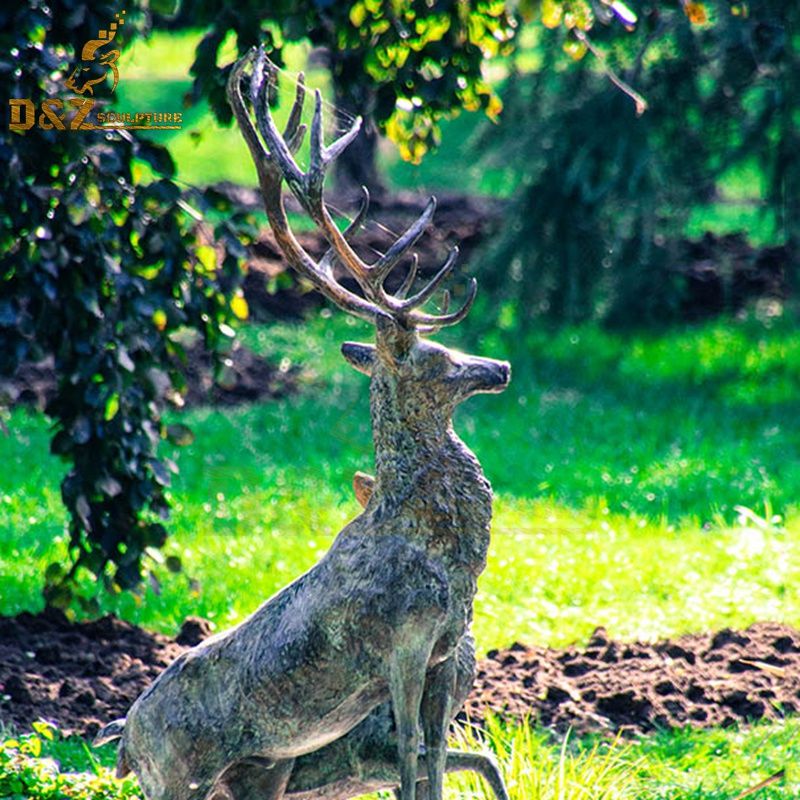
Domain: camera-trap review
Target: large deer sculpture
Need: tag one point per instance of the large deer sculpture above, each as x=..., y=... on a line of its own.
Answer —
x=365, y=760
x=383, y=614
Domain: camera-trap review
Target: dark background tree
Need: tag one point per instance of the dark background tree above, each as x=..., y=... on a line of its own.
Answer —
x=98, y=270
x=605, y=195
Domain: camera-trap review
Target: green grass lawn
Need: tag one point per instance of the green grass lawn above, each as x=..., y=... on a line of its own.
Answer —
x=611, y=457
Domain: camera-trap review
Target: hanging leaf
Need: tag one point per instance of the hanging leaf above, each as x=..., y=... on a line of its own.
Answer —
x=239, y=307
x=207, y=256
x=696, y=12
x=112, y=407
x=575, y=50
x=552, y=13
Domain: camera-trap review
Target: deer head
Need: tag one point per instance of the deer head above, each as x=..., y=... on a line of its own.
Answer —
x=97, y=61
x=415, y=383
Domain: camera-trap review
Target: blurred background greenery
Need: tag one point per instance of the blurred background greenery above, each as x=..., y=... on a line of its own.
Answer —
x=636, y=265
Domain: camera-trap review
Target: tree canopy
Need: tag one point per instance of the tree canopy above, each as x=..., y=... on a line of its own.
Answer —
x=100, y=265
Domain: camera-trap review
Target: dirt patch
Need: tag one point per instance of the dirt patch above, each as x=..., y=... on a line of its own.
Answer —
x=723, y=274
x=84, y=674
x=79, y=675
x=700, y=680
x=243, y=377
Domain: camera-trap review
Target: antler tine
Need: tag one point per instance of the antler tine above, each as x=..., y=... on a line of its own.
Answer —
x=428, y=291
x=293, y=122
x=258, y=152
x=384, y=265
x=329, y=258
x=322, y=156
x=307, y=187
x=262, y=78
x=294, y=131
x=409, y=279
x=317, y=164
x=294, y=143
x=435, y=321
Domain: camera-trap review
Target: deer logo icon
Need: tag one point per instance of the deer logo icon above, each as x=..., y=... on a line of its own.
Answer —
x=97, y=60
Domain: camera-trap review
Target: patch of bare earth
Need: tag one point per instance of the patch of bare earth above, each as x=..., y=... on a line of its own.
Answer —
x=84, y=674
x=701, y=680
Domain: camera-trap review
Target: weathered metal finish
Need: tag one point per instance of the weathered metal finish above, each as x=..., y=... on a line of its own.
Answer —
x=380, y=621
x=365, y=760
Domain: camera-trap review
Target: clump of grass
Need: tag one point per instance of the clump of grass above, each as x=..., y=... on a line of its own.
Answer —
x=535, y=769
x=715, y=764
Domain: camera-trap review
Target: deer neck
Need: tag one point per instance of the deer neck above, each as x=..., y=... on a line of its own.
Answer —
x=414, y=440
x=429, y=482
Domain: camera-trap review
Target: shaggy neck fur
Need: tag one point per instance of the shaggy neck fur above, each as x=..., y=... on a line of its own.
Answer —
x=421, y=462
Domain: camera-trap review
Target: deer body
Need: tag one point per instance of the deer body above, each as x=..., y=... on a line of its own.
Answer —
x=314, y=660
x=365, y=760
x=299, y=673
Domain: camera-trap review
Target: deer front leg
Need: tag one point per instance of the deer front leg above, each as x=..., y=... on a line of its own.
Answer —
x=406, y=684
x=422, y=791
x=437, y=701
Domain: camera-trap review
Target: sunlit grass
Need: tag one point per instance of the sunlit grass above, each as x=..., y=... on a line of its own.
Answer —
x=617, y=464
x=675, y=765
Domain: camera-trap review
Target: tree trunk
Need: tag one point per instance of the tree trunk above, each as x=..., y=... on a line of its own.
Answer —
x=357, y=165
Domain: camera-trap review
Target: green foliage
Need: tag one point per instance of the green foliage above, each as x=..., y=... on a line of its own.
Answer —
x=407, y=63
x=697, y=764
x=29, y=770
x=534, y=767
x=605, y=195
x=688, y=764
x=99, y=270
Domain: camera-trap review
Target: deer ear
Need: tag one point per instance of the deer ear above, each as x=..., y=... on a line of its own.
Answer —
x=360, y=356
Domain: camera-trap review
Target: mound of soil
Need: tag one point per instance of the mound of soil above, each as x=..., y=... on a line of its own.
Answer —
x=698, y=680
x=243, y=378
x=81, y=675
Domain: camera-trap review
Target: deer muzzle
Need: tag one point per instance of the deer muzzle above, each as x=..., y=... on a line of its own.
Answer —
x=487, y=374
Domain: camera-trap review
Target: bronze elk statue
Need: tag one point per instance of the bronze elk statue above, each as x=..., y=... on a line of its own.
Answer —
x=327, y=689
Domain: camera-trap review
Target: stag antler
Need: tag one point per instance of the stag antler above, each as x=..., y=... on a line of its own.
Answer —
x=275, y=162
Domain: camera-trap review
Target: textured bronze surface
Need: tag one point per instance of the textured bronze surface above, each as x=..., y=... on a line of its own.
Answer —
x=372, y=644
